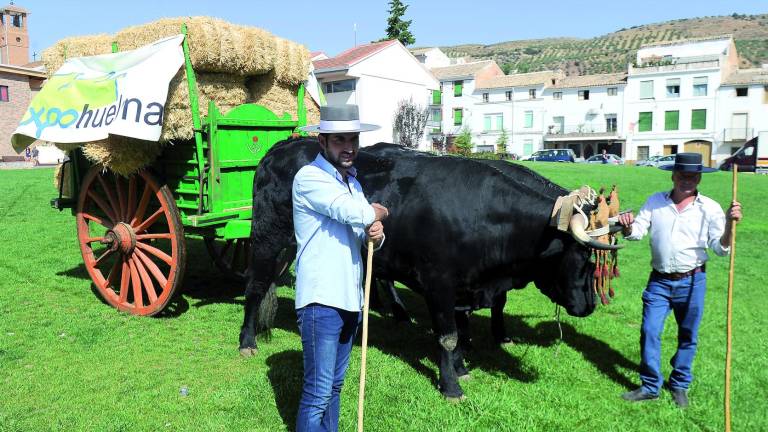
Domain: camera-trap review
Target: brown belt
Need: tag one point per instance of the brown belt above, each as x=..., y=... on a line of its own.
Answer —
x=678, y=276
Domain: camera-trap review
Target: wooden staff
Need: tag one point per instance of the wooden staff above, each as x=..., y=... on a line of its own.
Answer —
x=367, y=295
x=730, y=313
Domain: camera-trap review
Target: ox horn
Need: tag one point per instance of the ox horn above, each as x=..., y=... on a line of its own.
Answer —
x=578, y=231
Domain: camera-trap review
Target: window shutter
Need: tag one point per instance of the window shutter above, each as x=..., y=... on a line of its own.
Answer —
x=529, y=119
x=436, y=97
x=499, y=122
x=487, y=123
x=457, y=116
x=672, y=120
x=699, y=119
x=645, y=122
x=457, y=88
x=646, y=89
x=699, y=80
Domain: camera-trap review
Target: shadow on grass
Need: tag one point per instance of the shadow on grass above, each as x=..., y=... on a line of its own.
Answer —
x=286, y=375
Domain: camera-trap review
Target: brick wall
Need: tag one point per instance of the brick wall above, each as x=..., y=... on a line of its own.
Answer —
x=20, y=94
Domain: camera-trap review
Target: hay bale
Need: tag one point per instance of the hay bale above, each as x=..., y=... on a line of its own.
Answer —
x=64, y=171
x=291, y=62
x=81, y=46
x=214, y=44
x=280, y=98
x=122, y=155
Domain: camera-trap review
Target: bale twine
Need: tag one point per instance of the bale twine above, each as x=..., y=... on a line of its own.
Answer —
x=122, y=155
x=291, y=62
x=82, y=46
x=214, y=44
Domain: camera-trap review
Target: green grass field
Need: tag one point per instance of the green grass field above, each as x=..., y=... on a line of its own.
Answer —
x=68, y=362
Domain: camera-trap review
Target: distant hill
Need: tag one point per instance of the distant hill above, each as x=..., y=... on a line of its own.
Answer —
x=612, y=52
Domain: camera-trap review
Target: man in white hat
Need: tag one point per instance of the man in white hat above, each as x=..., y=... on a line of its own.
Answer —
x=683, y=224
x=332, y=220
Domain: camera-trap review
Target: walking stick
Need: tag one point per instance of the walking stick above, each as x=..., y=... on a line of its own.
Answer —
x=730, y=313
x=367, y=295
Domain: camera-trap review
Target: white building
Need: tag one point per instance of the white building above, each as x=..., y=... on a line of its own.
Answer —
x=586, y=114
x=742, y=107
x=376, y=77
x=453, y=107
x=670, y=98
x=515, y=104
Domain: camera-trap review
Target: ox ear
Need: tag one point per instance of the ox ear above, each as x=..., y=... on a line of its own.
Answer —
x=553, y=248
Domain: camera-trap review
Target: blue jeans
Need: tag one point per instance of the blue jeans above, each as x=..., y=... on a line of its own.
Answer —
x=685, y=297
x=327, y=335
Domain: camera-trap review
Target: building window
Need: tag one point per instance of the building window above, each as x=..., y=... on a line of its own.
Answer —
x=340, y=86
x=645, y=122
x=527, y=147
x=742, y=91
x=613, y=91
x=485, y=97
x=528, y=119
x=673, y=87
x=700, y=86
x=17, y=21
x=671, y=120
x=642, y=152
x=437, y=97
x=559, y=125
x=557, y=95
x=493, y=122
x=4, y=94
x=610, y=123
x=437, y=115
x=531, y=93
x=458, y=88
x=508, y=94
x=583, y=94
x=699, y=119
x=457, y=112
x=646, y=89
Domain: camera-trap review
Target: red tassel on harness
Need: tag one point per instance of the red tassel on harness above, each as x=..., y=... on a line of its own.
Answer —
x=616, y=272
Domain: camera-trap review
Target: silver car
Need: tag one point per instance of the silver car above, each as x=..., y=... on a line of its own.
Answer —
x=612, y=159
x=657, y=161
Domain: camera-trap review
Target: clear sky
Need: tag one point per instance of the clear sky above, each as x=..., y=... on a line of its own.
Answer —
x=328, y=25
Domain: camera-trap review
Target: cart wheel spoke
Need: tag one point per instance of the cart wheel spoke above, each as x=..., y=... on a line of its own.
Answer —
x=150, y=220
x=153, y=268
x=103, y=206
x=145, y=279
x=111, y=198
x=137, y=217
x=142, y=278
x=138, y=300
x=155, y=251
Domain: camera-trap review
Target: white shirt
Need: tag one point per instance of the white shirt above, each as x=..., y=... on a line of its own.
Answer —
x=679, y=239
x=329, y=220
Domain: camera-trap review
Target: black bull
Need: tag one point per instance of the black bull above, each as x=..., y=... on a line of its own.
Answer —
x=459, y=231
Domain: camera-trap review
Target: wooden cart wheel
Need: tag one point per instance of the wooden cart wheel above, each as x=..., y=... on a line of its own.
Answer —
x=131, y=239
x=230, y=256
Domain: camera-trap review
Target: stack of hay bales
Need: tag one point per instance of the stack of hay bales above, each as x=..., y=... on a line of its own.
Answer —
x=233, y=65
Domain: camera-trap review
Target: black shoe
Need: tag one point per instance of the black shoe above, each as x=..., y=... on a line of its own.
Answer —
x=639, y=395
x=680, y=396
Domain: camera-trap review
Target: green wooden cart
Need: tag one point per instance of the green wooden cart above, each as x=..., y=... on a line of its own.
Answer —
x=132, y=230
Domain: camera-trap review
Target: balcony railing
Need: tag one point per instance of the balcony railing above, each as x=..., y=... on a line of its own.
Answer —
x=434, y=127
x=708, y=64
x=585, y=129
x=738, y=134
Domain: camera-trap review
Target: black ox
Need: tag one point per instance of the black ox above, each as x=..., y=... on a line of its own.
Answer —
x=460, y=232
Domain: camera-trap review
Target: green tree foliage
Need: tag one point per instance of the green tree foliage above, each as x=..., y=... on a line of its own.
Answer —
x=397, y=28
x=501, y=142
x=463, y=142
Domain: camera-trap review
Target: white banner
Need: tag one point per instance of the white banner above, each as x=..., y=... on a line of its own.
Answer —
x=89, y=98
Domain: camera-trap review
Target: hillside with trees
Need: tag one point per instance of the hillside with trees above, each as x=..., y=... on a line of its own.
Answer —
x=612, y=52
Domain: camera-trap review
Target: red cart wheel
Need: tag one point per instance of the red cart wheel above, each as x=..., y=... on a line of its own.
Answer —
x=131, y=239
x=230, y=256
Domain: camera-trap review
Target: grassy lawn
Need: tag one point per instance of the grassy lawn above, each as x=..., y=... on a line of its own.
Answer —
x=69, y=362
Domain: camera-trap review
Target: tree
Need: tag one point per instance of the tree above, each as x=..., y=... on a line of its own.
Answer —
x=501, y=142
x=463, y=142
x=410, y=122
x=396, y=27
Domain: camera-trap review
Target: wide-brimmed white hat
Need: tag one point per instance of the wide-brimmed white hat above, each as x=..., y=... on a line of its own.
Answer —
x=340, y=119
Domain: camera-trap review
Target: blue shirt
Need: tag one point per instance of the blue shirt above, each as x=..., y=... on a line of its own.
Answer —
x=329, y=220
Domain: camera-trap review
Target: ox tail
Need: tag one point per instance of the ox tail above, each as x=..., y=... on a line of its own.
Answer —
x=267, y=312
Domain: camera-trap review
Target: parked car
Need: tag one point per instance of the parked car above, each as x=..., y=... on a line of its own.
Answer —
x=553, y=155
x=612, y=159
x=657, y=161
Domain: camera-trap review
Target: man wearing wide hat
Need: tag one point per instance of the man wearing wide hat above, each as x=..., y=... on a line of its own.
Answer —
x=682, y=224
x=332, y=221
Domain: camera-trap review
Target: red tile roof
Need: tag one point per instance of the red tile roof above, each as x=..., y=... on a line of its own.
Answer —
x=352, y=55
